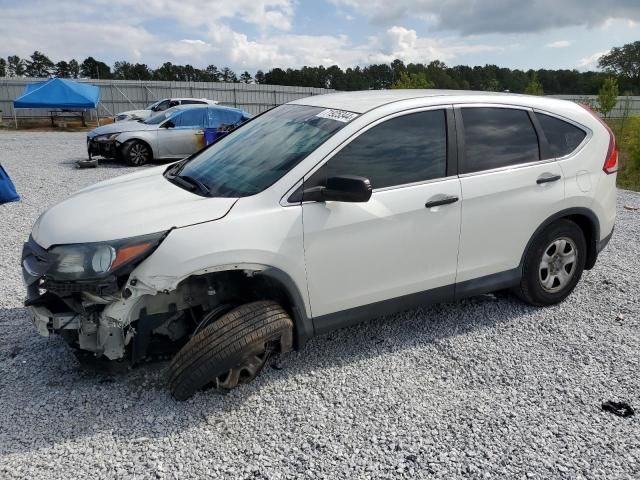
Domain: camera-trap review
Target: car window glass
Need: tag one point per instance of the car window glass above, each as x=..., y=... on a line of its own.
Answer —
x=192, y=118
x=497, y=137
x=407, y=149
x=162, y=106
x=193, y=102
x=562, y=137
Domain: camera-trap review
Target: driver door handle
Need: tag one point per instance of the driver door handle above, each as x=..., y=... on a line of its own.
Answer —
x=442, y=201
x=551, y=178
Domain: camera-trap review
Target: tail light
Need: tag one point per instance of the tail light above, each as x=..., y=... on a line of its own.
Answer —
x=611, y=161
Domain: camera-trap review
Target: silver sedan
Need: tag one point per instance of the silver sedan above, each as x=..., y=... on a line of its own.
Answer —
x=172, y=134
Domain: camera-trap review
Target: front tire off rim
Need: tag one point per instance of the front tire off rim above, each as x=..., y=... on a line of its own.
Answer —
x=558, y=264
x=138, y=154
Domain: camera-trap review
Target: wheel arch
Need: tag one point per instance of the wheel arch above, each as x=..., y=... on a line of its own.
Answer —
x=588, y=222
x=141, y=140
x=265, y=283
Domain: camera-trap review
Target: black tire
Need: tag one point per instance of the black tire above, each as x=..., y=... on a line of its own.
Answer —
x=136, y=153
x=248, y=333
x=544, y=283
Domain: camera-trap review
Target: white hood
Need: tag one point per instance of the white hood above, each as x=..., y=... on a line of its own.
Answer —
x=143, y=114
x=119, y=127
x=127, y=206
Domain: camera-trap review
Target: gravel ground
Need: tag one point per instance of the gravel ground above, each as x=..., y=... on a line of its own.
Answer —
x=485, y=388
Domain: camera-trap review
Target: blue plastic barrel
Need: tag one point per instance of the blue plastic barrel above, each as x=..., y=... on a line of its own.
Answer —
x=210, y=135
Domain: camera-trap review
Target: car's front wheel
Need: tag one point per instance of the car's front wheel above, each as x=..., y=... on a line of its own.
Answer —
x=232, y=350
x=553, y=265
x=136, y=153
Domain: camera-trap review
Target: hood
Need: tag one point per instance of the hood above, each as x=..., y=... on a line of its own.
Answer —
x=144, y=114
x=119, y=127
x=126, y=206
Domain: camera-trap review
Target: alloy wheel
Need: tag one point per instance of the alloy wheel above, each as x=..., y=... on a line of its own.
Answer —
x=558, y=264
x=138, y=154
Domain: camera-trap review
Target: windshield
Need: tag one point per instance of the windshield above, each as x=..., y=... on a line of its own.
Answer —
x=259, y=153
x=150, y=107
x=160, y=117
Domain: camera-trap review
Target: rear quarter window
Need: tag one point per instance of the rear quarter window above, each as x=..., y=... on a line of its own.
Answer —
x=562, y=137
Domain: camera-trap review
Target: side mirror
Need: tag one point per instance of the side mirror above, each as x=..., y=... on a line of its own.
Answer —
x=345, y=188
x=168, y=124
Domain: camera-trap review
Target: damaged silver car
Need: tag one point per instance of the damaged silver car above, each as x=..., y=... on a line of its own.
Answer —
x=172, y=134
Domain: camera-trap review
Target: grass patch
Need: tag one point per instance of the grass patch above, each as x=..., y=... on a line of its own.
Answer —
x=627, y=131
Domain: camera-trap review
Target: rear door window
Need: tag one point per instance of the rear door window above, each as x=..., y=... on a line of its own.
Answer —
x=407, y=149
x=562, y=137
x=497, y=137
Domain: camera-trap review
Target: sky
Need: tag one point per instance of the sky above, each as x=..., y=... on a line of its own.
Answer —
x=263, y=34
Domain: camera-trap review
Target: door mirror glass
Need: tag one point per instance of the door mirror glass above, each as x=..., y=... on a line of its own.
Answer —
x=345, y=188
x=168, y=124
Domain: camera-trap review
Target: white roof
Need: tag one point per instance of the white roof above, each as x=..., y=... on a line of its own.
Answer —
x=363, y=101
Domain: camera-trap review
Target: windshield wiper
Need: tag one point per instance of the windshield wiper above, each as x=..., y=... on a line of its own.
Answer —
x=189, y=183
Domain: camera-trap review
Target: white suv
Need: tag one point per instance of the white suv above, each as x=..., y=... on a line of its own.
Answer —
x=320, y=213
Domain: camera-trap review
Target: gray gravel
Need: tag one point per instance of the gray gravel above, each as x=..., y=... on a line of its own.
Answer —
x=486, y=388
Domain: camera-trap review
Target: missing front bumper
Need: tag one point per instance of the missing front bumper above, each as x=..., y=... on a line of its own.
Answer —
x=86, y=332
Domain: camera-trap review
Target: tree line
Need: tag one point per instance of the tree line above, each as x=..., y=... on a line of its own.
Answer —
x=622, y=63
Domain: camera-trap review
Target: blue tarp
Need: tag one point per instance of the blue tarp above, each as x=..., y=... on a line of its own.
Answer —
x=7, y=190
x=59, y=93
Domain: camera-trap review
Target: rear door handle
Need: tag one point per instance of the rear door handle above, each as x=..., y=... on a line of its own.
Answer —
x=552, y=178
x=441, y=201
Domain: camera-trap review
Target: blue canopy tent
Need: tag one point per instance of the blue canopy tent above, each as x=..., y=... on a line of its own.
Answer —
x=58, y=93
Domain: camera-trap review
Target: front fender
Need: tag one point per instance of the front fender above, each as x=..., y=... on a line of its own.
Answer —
x=150, y=138
x=257, y=241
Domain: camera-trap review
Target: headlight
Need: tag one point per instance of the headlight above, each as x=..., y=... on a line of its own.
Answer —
x=88, y=261
x=107, y=137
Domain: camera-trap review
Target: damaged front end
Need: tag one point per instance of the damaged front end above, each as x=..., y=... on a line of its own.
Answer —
x=103, y=145
x=84, y=293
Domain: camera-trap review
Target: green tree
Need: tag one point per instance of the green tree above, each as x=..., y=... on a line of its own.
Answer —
x=166, y=72
x=623, y=61
x=228, y=75
x=608, y=96
x=92, y=68
x=534, y=87
x=246, y=77
x=259, y=76
x=62, y=69
x=412, y=80
x=213, y=73
x=39, y=65
x=74, y=68
x=15, y=66
x=3, y=67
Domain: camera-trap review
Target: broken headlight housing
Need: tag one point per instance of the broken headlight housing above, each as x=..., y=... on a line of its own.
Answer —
x=89, y=261
x=108, y=137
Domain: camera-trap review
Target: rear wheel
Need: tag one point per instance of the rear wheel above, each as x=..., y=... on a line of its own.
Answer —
x=136, y=153
x=553, y=265
x=232, y=350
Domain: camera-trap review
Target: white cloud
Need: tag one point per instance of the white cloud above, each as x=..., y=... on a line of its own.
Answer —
x=559, y=44
x=590, y=62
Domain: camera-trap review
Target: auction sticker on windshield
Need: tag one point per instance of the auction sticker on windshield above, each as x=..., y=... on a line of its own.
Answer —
x=338, y=115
